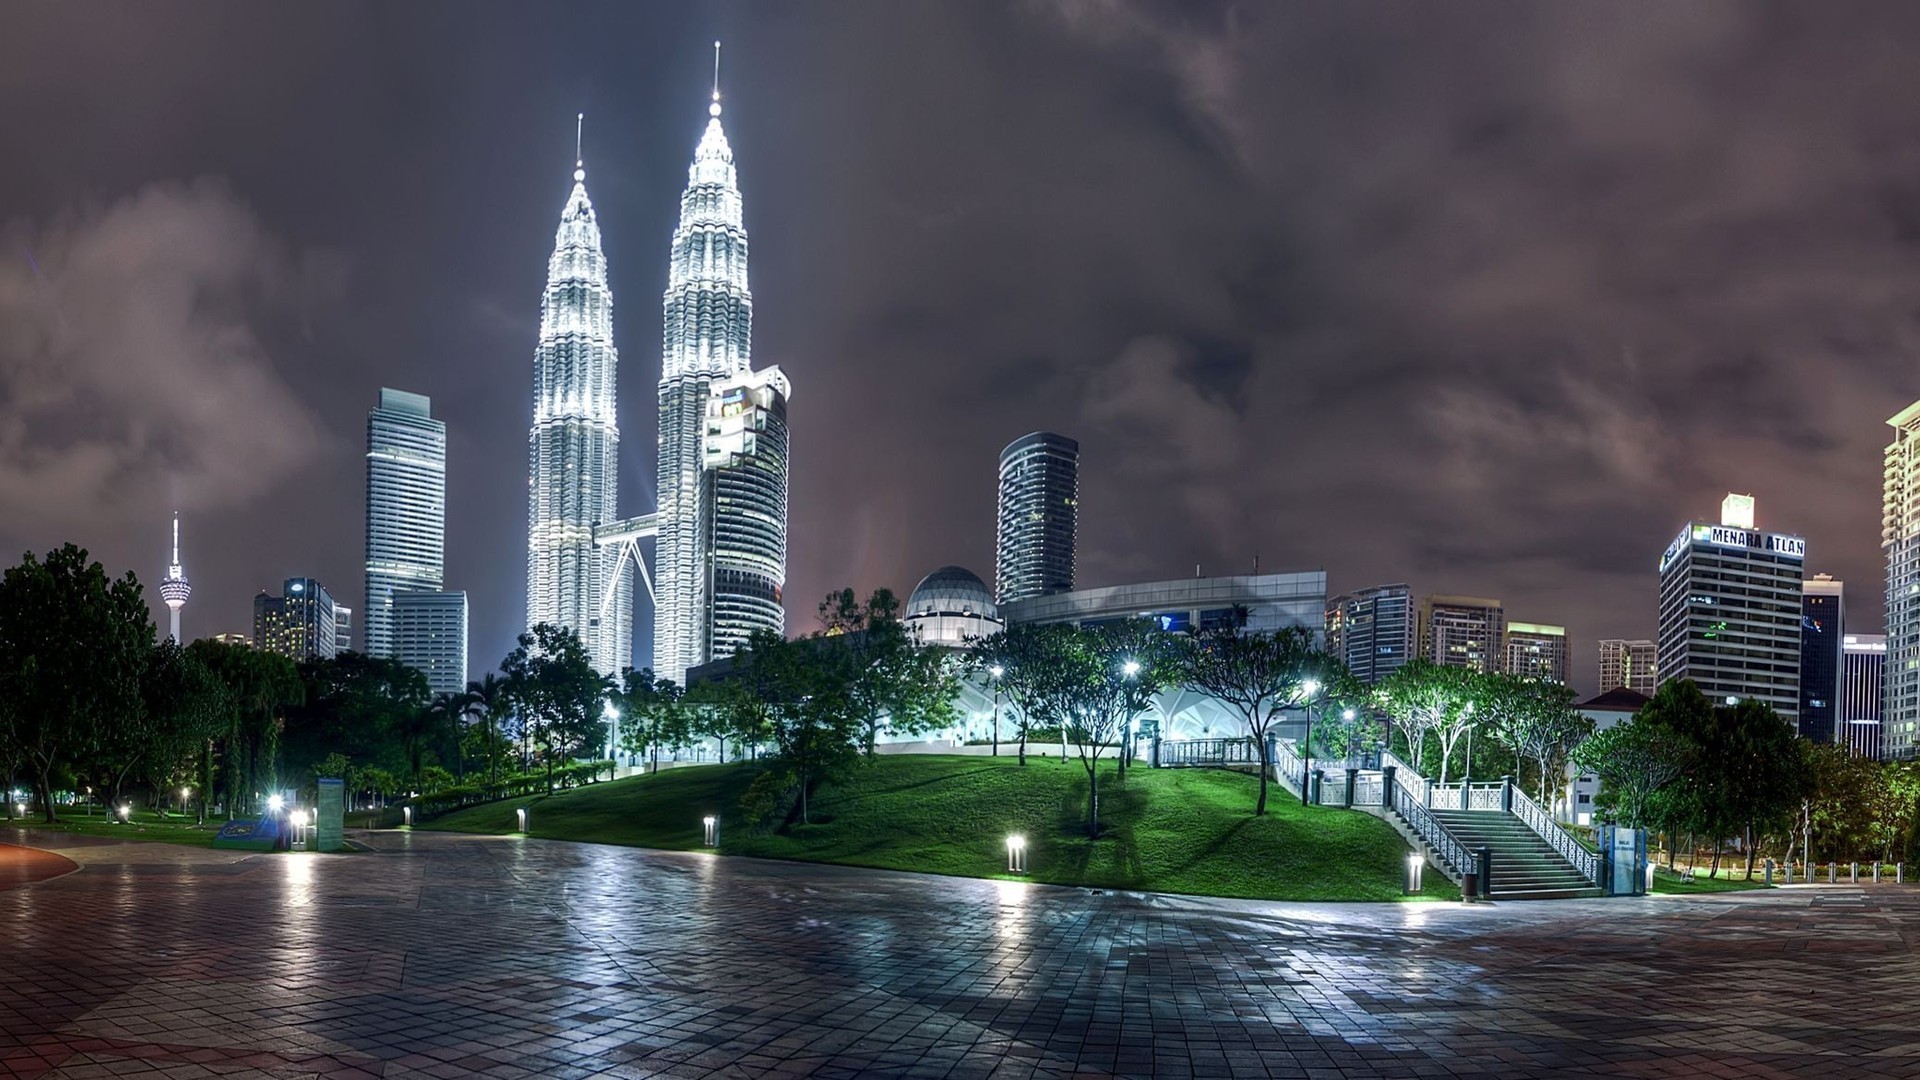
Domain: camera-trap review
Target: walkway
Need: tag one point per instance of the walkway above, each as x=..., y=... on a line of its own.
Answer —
x=468, y=956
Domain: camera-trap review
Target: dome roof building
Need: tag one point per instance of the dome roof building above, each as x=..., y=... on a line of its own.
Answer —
x=951, y=605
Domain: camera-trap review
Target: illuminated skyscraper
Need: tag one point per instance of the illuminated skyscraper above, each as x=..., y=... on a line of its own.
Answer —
x=1900, y=539
x=174, y=588
x=721, y=548
x=1536, y=651
x=1730, y=610
x=573, y=448
x=1038, y=513
x=406, y=509
x=298, y=623
x=1627, y=662
x=1463, y=631
x=1372, y=631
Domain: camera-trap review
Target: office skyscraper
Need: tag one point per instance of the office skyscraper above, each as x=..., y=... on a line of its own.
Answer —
x=1730, y=611
x=1863, y=692
x=1536, y=651
x=342, y=628
x=1900, y=539
x=1822, y=614
x=1372, y=630
x=406, y=509
x=430, y=636
x=1463, y=631
x=1629, y=663
x=1039, y=513
x=298, y=623
x=573, y=447
x=721, y=546
x=744, y=499
x=174, y=588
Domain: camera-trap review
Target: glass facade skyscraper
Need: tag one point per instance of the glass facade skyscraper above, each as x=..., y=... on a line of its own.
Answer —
x=1372, y=631
x=430, y=636
x=298, y=623
x=573, y=447
x=1463, y=631
x=1822, y=615
x=744, y=499
x=1730, y=613
x=1900, y=539
x=1038, y=514
x=406, y=509
x=1863, y=690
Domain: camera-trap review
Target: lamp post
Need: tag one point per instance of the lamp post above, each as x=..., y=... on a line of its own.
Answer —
x=613, y=740
x=994, y=673
x=1346, y=715
x=1131, y=669
x=1309, y=689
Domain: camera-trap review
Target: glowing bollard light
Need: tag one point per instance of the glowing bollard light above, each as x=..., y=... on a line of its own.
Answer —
x=406, y=816
x=520, y=815
x=1016, y=854
x=712, y=824
x=126, y=813
x=1416, y=873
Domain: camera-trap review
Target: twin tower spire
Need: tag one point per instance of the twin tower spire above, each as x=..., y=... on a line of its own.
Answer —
x=719, y=527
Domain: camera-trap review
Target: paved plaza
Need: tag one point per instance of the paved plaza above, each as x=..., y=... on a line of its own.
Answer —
x=452, y=956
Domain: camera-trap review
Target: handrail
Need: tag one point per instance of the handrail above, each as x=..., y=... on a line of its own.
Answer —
x=1287, y=766
x=1542, y=823
x=1444, y=844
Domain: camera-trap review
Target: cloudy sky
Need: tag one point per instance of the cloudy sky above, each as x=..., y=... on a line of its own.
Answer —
x=1488, y=298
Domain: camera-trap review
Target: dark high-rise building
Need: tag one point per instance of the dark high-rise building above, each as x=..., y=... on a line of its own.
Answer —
x=1863, y=691
x=406, y=509
x=1372, y=630
x=1039, y=507
x=1463, y=631
x=1730, y=610
x=296, y=624
x=1822, y=613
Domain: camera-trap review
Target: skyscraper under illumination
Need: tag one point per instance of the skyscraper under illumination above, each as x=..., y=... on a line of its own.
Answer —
x=573, y=447
x=1039, y=513
x=406, y=509
x=1730, y=610
x=1900, y=539
x=174, y=588
x=721, y=549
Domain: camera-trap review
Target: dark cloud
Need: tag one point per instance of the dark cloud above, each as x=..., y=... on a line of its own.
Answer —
x=1490, y=298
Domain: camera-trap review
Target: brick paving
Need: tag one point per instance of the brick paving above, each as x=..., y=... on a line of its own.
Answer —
x=447, y=956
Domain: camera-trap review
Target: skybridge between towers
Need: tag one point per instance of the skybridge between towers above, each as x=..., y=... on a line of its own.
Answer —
x=624, y=537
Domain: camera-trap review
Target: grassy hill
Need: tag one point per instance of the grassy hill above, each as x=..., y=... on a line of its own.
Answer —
x=1167, y=830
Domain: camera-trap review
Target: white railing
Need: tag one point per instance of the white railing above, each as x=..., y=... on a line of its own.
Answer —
x=1444, y=844
x=1368, y=789
x=1410, y=785
x=1467, y=797
x=1287, y=767
x=1570, y=849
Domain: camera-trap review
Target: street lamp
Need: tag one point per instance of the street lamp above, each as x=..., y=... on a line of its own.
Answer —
x=1346, y=716
x=1130, y=668
x=996, y=671
x=613, y=719
x=1307, y=689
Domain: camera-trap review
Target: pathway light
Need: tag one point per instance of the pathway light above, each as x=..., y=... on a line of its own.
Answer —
x=1416, y=867
x=712, y=824
x=1016, y=854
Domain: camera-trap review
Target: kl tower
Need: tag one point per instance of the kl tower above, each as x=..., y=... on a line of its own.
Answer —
x=174, y=588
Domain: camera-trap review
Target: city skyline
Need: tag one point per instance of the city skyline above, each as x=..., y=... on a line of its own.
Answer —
x=881, y=259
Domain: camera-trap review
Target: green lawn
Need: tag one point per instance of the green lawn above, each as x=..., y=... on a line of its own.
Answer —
x=146, y=825
x=1730, y=880
x=1166, y=830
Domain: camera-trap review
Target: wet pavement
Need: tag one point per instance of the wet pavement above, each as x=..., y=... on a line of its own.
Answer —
x=451, y=956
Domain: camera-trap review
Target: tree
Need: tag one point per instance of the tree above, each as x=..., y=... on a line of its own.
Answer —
x=72, y=647
x=1016, y=659
x=1094, y=681
x=1754, y=758
x=1536, y=720
x=1635, y=762
x=1258, y=674
x=556, y=692
x=1424, y=697
x=185, y=706
x=893, y=680
x=811, y=715
x=653, y=715
x=487, y=698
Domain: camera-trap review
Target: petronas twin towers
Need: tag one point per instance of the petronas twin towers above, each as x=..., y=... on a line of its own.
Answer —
x=720, y=527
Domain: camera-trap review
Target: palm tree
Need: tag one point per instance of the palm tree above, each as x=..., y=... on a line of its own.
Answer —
x=487, y=698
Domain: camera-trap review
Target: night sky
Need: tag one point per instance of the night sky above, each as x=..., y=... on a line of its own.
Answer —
x=1487, y=298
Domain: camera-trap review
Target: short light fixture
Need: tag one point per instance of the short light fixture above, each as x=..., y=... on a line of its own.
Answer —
x=1416, y=871
x=126, y=812
x=275, y=802
x=406, y=816
x=1016, y=854
x=1347, y=715
x=520, y=816
x=712, y=834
